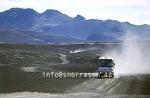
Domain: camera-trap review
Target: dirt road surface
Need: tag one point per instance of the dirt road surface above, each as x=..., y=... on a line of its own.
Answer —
x=123, y=87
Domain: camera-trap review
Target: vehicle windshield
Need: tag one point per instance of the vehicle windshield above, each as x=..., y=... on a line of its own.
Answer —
x=105, y=63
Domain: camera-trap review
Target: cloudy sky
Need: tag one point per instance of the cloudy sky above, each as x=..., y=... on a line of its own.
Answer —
x=134, y=11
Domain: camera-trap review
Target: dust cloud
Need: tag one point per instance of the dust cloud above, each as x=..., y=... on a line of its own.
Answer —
x=83, y=49
x=132, y=58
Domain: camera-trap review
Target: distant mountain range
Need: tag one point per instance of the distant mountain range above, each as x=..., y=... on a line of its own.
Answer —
x=19, y=25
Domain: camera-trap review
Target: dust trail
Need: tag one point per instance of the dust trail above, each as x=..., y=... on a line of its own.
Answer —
x=83, y=49
x=78, y=51
x=131, y=59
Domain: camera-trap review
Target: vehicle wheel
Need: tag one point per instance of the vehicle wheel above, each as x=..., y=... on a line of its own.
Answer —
x=111, y=74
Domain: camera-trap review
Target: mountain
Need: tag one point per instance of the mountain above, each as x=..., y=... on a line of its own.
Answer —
x=82, y=29
x=30, y=37
x=49, y=18
x=17, y=18
x=61, y=26
x=54, y=17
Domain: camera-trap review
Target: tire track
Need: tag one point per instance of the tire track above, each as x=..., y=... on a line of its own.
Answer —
x=100, y=86
x=112, y=86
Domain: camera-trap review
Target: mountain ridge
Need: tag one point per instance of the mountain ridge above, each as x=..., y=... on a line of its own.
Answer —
x=53, y=22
